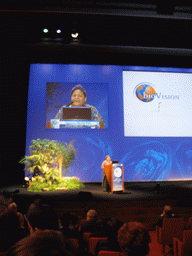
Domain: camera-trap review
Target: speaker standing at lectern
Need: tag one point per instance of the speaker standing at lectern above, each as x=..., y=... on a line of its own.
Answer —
x=105, y=184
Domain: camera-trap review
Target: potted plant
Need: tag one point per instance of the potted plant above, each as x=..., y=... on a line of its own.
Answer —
x=46, y=159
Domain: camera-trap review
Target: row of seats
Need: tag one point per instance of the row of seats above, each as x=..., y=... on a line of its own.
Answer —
x=183, y=247
x=45, y=218
x=91, y=241
x=172, y=233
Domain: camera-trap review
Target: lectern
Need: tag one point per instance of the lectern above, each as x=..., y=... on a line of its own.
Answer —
x=115, y=177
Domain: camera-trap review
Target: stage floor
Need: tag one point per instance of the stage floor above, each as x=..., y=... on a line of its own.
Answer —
x=180, y=190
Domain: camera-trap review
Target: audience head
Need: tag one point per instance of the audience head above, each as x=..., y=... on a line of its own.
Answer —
x=9, y=229
x=67, y=220
x=37, y=199
x=113, y=225
x=21, y=219
x=9, y=220
x=42, y=243
x=134, y=239
x=91, y=214
x=12, y=207
x=44, y=218
x=168, y=210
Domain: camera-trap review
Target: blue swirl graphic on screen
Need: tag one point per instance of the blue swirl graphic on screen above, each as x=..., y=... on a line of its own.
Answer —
x=147, y=161
x=102, y=149
x=92, y=151
x=184, y=160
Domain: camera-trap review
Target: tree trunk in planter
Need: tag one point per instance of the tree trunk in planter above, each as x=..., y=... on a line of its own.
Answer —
x=60, y=166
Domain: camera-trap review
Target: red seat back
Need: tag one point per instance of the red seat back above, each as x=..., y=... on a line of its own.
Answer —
x=93, y=242
x=190, y=222
x=172, y=227
x=75, y=242
x=86, y=236
x=183, y=248
x=187, y=237
x=110, y=253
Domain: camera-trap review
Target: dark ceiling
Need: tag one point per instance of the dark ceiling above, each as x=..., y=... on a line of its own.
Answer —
x=139, y=4
x=137, y=23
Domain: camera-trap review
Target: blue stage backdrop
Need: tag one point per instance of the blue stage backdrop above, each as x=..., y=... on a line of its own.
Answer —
x=146, y=111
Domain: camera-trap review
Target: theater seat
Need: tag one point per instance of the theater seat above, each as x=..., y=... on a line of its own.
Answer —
x=172, y=227
x=86, y=236
x=190, y=222
x=93, y=242
x=75, y=242
x=184, y=247
x=110, y=253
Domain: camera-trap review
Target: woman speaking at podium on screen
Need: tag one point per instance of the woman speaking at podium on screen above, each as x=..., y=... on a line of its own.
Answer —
x=78, y=99
x=104, y=184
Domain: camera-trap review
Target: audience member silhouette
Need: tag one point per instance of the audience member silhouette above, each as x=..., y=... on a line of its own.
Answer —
x=90, y=225
x=44, y=218
x=43, y=243
x=11, y=229
x=91, y=222
x=34, y=206
x=13, y=208
x=101, y=229
x=110, y=231
x=167, y=213
x=134, y=239
x=69, y=225
x=5, y=200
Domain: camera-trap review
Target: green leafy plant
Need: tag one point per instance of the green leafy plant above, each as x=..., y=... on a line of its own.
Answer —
x=47, y=156
x=52, y=185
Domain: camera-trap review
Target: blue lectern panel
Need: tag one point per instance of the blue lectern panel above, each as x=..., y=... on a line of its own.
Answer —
x=117, y=177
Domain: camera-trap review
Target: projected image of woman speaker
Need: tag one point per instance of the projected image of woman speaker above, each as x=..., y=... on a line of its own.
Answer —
x=78, y=99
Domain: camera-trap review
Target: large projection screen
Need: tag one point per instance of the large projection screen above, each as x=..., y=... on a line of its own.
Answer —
x=157, y=104
x=146, y=111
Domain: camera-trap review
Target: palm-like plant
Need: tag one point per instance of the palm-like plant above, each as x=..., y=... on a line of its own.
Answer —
x=46, y=155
